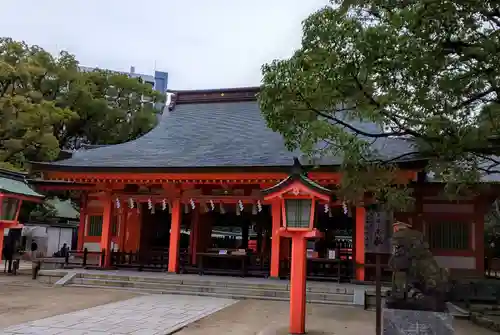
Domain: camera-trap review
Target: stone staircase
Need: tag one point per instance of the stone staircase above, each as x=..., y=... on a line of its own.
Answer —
x=223, y=287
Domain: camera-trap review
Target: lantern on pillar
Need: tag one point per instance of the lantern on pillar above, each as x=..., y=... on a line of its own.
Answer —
x=298, y=196
x=13, y=193
x=298, y=213
x=10, y=206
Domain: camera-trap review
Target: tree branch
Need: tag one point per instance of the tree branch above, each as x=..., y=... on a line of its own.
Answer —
x=473, y=98
x=345, y=124
x=396, y=158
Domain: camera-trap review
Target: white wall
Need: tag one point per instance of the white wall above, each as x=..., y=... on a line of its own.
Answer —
x=57, y=236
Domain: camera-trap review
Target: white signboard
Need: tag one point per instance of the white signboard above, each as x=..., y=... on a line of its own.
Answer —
x=378, y=228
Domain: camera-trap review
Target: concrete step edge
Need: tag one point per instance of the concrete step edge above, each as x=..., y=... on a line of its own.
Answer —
x=455, y=315
x=209, y=294
x=219, y=283
x=131, y=284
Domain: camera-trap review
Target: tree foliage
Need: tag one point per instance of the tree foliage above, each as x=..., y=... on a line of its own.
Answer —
x=48, y=103
x=424, y=71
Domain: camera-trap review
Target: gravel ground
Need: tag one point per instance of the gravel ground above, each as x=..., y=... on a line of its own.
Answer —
x=250, y=317
x=23, y=300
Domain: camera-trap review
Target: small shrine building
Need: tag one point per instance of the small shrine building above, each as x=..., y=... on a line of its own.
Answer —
x=191, y=190
x=14, y=191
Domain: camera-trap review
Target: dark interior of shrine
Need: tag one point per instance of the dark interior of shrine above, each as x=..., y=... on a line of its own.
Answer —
x=244, y=229
x=337, y=226
x=241, y=229
x=155, y=228
x=231, y=229
x=241, y=238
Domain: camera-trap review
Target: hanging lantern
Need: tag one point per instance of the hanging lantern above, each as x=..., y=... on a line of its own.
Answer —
x=150, y=204
x=131, y=203
x=240, y=205
x=259, y=206
x=222, y=209
x=117, y=203
x=193, y=205
x=164, y=204
x=254, y=209
x=212, y=205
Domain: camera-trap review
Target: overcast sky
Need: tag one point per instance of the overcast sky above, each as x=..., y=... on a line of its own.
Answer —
x=201, y=43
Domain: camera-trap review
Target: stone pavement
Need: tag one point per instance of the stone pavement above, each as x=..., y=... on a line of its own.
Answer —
x=251, y=317
x=148, y=315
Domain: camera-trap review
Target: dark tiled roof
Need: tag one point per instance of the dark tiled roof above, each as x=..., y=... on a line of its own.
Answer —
x=19, y=176
x=195, y=135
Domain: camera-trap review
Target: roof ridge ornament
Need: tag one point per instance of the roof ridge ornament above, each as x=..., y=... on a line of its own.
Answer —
x=297, y=182
x=297, y=168
x=173, y=101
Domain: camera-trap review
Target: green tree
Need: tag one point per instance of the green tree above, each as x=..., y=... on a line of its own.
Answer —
x=424, y=70
x=47, y=103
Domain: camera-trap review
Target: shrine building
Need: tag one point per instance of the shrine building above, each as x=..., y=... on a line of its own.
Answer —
x=187, y=197
x=14, y=191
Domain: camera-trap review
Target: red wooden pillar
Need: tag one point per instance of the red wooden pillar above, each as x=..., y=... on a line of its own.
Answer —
x=298, y=289
x=122, y=241
x=83, y=220
x=175, y=235
x=478, y=226
x=275, y=240
x=359, y=240
x=205, y=224
x=1, y=240
x=106, y=230
x=194, y=235
x=1, y=228
x=134, y=223
x=418, y=212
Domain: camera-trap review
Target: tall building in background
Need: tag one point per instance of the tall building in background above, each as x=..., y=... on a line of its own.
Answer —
x=159, y=80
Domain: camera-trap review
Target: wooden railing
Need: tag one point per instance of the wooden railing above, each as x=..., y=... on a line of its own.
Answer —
x=339, y=270
x=153, y=260
x=243, y=265
x=83, y=258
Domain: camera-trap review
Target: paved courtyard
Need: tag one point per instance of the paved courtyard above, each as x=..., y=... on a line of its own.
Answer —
x=29, y=307
x=251, y=317
x=23, y=299
x=148, y=315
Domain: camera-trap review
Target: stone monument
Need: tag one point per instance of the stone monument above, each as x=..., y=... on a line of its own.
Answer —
x=416, y=303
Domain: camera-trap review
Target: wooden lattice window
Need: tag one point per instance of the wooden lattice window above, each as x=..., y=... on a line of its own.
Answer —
x=449, y=235
x=298, y=213
x=95, y=225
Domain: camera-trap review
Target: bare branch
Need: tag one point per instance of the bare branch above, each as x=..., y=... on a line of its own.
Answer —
x=345, y=124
